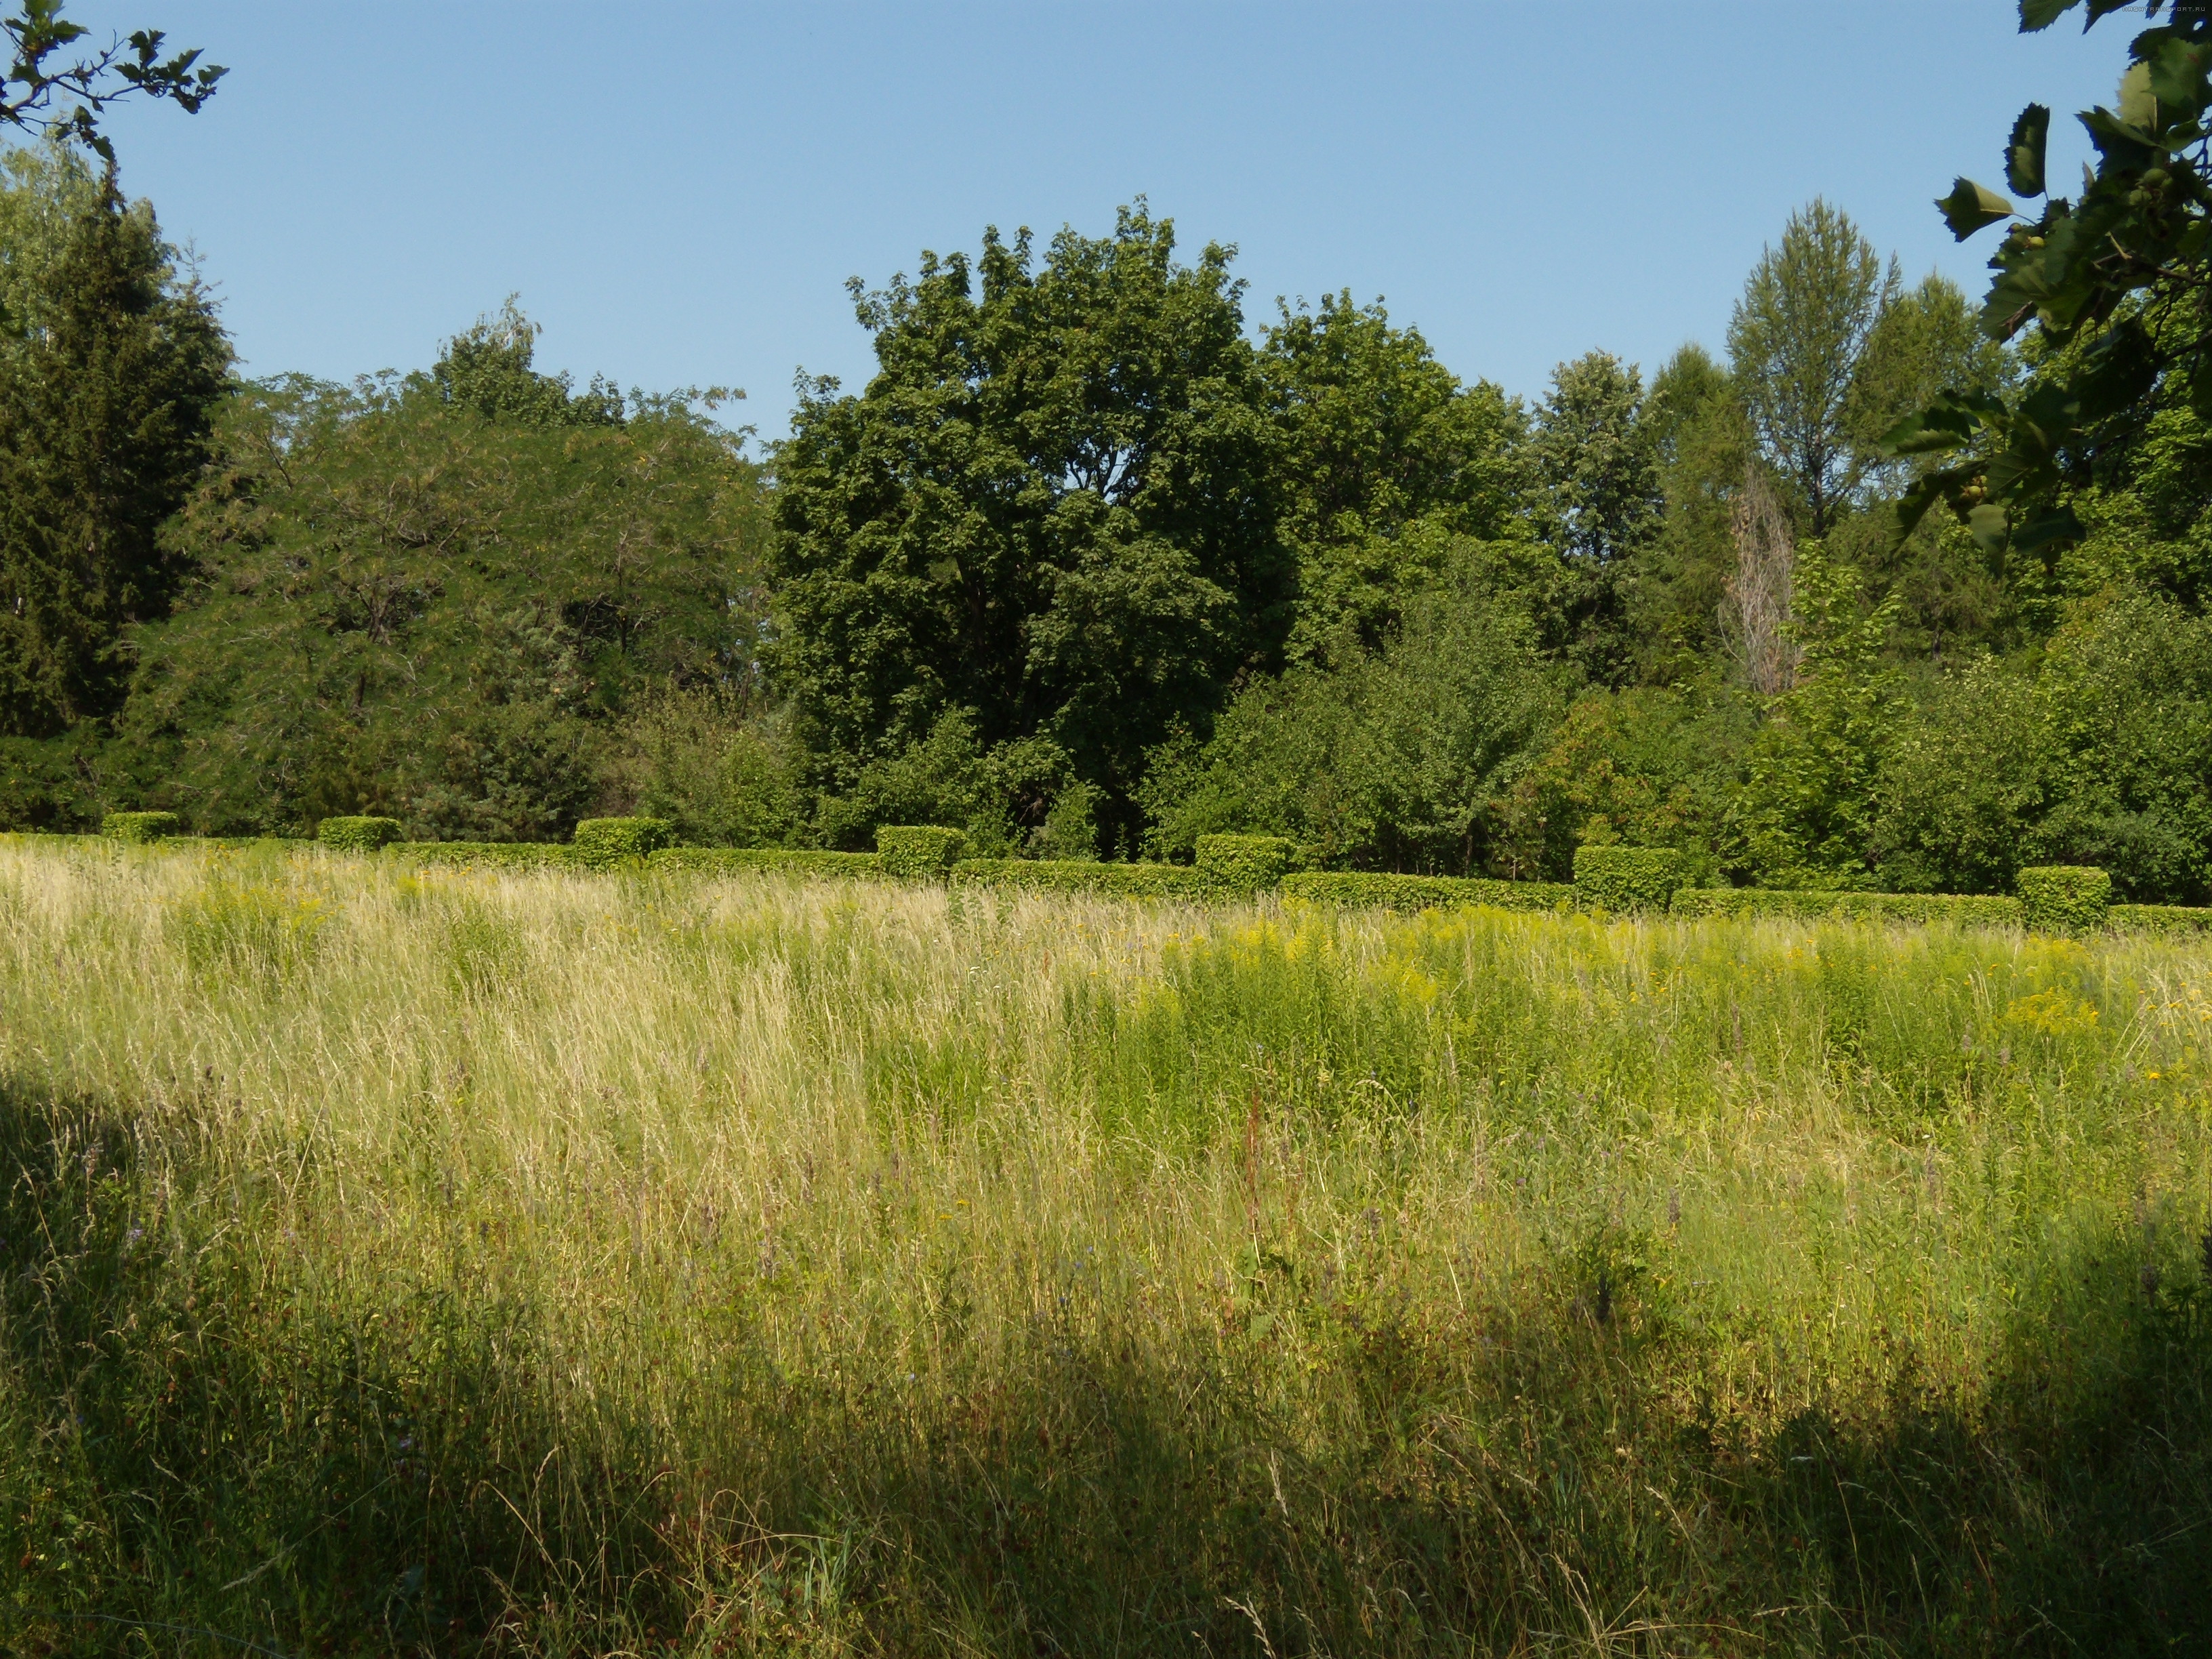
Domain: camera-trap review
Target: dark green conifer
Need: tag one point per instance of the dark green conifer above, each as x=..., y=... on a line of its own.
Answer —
x=106, y=402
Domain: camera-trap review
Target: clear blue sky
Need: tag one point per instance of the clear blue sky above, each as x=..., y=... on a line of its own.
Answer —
x=677, y=192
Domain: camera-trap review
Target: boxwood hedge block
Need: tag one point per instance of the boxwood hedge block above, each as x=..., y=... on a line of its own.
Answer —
x=2064, y=898
x=1357, y=888
x=1953, y=909
x=1629, y=878
x=1146, y=881
x=140, y=827
x=488, y=854
x=919, y=851
x=2174, y=920
x=356, y=835
x=778, y=861
x=1245, y=864
x=602, y=843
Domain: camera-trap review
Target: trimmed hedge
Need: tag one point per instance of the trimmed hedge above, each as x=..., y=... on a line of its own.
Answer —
x=780, y=861
x=604, y=843
x=2064, y=898
x=489, y=855
x=1245, y=863
x=356, y=835
x=919, y=851
x=138, y=827
x=1356, y=888
x=1629, y=878
x=2175, y=920
x=1151, y=881
x=1958, y=910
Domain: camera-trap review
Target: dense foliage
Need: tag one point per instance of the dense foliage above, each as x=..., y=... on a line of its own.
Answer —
x=1090, y=567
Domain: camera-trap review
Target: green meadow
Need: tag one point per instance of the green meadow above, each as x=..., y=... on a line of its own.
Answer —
x=476, y=1262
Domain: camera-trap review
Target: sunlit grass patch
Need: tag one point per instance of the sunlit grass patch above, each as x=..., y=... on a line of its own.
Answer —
x=538, y=1262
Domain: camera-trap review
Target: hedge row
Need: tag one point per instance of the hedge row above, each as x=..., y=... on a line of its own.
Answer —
x=488, y=854
x=2170, y=918
x=2053, y=898
x=1164, y=881
x=783, y=861
x=1385, y=892
x=1961, y=910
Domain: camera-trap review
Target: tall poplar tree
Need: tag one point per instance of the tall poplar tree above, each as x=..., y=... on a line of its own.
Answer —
x=1796, y=340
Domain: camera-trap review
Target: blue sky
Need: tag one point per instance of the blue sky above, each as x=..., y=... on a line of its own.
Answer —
x=679, y=191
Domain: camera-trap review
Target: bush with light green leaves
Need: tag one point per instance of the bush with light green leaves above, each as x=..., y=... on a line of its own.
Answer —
x=1246, y=863
x=138, y=827
x=602, y=843
x=357, y=835
x=919, y=851
x=2064, y=898
x=1629, y=878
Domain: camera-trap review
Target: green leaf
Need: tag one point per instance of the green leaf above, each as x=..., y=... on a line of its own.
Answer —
x=2036, y=14
x=2120, y=142
x=2138, y=102
x=2175, y=70
x=1952, y=420
x=2050, y=528
x=1970, y=208
x=1989, y=525
x=1912, y=506
x=2121, y=368
x=2024, y=152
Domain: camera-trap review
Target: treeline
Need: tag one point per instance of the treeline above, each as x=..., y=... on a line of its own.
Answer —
x=1092, y=567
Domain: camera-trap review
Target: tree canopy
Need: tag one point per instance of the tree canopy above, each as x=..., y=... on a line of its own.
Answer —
x=1050, y=514
x=431, y=599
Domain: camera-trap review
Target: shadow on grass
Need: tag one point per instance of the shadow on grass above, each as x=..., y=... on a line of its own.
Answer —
x=185, y=1443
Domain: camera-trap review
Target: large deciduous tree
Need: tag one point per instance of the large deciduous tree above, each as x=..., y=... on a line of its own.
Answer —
x=1050, y=514
x=1384, y=457
x=416, y=600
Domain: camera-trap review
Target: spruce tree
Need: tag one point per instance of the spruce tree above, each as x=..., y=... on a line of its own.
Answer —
x=105, y=405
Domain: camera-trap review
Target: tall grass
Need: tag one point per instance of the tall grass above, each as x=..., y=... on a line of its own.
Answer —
x=552, y=1264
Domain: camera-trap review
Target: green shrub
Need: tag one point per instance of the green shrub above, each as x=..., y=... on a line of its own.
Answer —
x=919, y=851
x=2064, y=898
x=356, y=835
x=1156, y=881
x=603, y=843
x=1955, y=909
x=2175, y=920
x=1245, y=864
x=1629, y=878
x=1385, y=892
x=139, y=826
x=780, y=861
x=489, y=855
